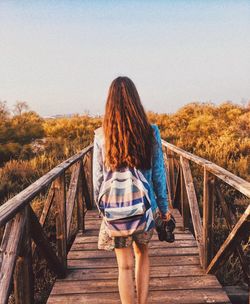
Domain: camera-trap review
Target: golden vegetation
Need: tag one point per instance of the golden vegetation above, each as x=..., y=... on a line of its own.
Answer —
x=30, y=146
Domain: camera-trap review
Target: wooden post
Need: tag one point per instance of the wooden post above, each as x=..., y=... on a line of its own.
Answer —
x=185, y=211
x=208, y=216
x=177, y=193
x=86, y=187
x=168, y=179
x=9, y=250
x=170, y=164
x=80, y=201
x=61, y=234
x=193, y=205
x=88, y=168
x=23, y=275
x=71, y=196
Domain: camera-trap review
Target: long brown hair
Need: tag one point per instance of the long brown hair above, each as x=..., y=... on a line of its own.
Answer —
x=127, y=131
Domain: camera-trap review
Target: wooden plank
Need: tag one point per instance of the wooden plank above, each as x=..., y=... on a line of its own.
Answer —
x=95, y=232
x=111, y=262
x=71, y=196
x=23, y=274
x=86, y=186
x=61, y=233
x=78, y=254
x=9, y=250
x=96, y=225
x=44, y=246
x=153, y=244
x=84, y=238
x=172, y=283
x=195, y=296
x=240, y=230
x=236, y=182
x=12, y=206
x=208, y=216
x=162, y=271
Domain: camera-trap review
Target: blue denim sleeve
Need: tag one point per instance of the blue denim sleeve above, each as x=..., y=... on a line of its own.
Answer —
x=97, y=169
x=159, y=173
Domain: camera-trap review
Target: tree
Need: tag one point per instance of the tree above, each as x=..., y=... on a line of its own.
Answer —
x=20, y=107
x=4, y=111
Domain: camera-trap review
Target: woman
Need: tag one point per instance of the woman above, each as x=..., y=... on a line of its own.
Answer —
x=126, y=138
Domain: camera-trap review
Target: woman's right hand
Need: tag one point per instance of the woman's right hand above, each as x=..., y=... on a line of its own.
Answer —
x=166, y=217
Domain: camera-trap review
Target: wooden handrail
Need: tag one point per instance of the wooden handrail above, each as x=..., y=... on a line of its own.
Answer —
x=235, y=181
x=14, y=205
x=22, y=225
x=181, y=180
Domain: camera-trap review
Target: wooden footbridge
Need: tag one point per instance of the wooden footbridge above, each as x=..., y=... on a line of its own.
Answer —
x=181, y=272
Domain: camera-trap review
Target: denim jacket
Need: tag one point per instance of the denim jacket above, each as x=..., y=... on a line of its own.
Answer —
x=156, y=175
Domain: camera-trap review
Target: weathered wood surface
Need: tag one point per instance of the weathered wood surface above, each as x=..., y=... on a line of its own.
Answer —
x=233, y=180
x=15, y=204
x=208, y=216
x=193, y=204
x=240, y=230
x=176, y=274
x=9, y=250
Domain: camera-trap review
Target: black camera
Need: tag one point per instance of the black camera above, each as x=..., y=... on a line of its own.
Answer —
x=165, y=229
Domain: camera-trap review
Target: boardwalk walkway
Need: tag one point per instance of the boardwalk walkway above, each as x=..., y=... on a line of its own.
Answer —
x=176, y=274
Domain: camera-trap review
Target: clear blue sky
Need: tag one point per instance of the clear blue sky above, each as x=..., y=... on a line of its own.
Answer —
x=61, y=56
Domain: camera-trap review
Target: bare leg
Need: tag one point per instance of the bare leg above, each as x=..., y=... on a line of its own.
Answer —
x=125, y=260
x=141, y=272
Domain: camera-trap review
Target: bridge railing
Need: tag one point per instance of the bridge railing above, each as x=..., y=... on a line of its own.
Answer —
x=182, y=195
x=24, y=233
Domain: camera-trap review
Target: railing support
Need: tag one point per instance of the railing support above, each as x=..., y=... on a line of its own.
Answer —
x=61, y=234
x=208, y=216
x=240, y=230
x=185, y=210
x=23, y=275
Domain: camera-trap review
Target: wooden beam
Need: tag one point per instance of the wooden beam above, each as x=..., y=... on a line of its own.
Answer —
x=44, y=246
x=208, y=216
x=193, y=204
x=9, y=250
x=15, y=204
x=23, y=274
x=45, y=212
x=240, y=230
x=61, y=230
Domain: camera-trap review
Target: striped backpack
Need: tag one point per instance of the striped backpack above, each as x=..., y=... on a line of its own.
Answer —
x=124, y=201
